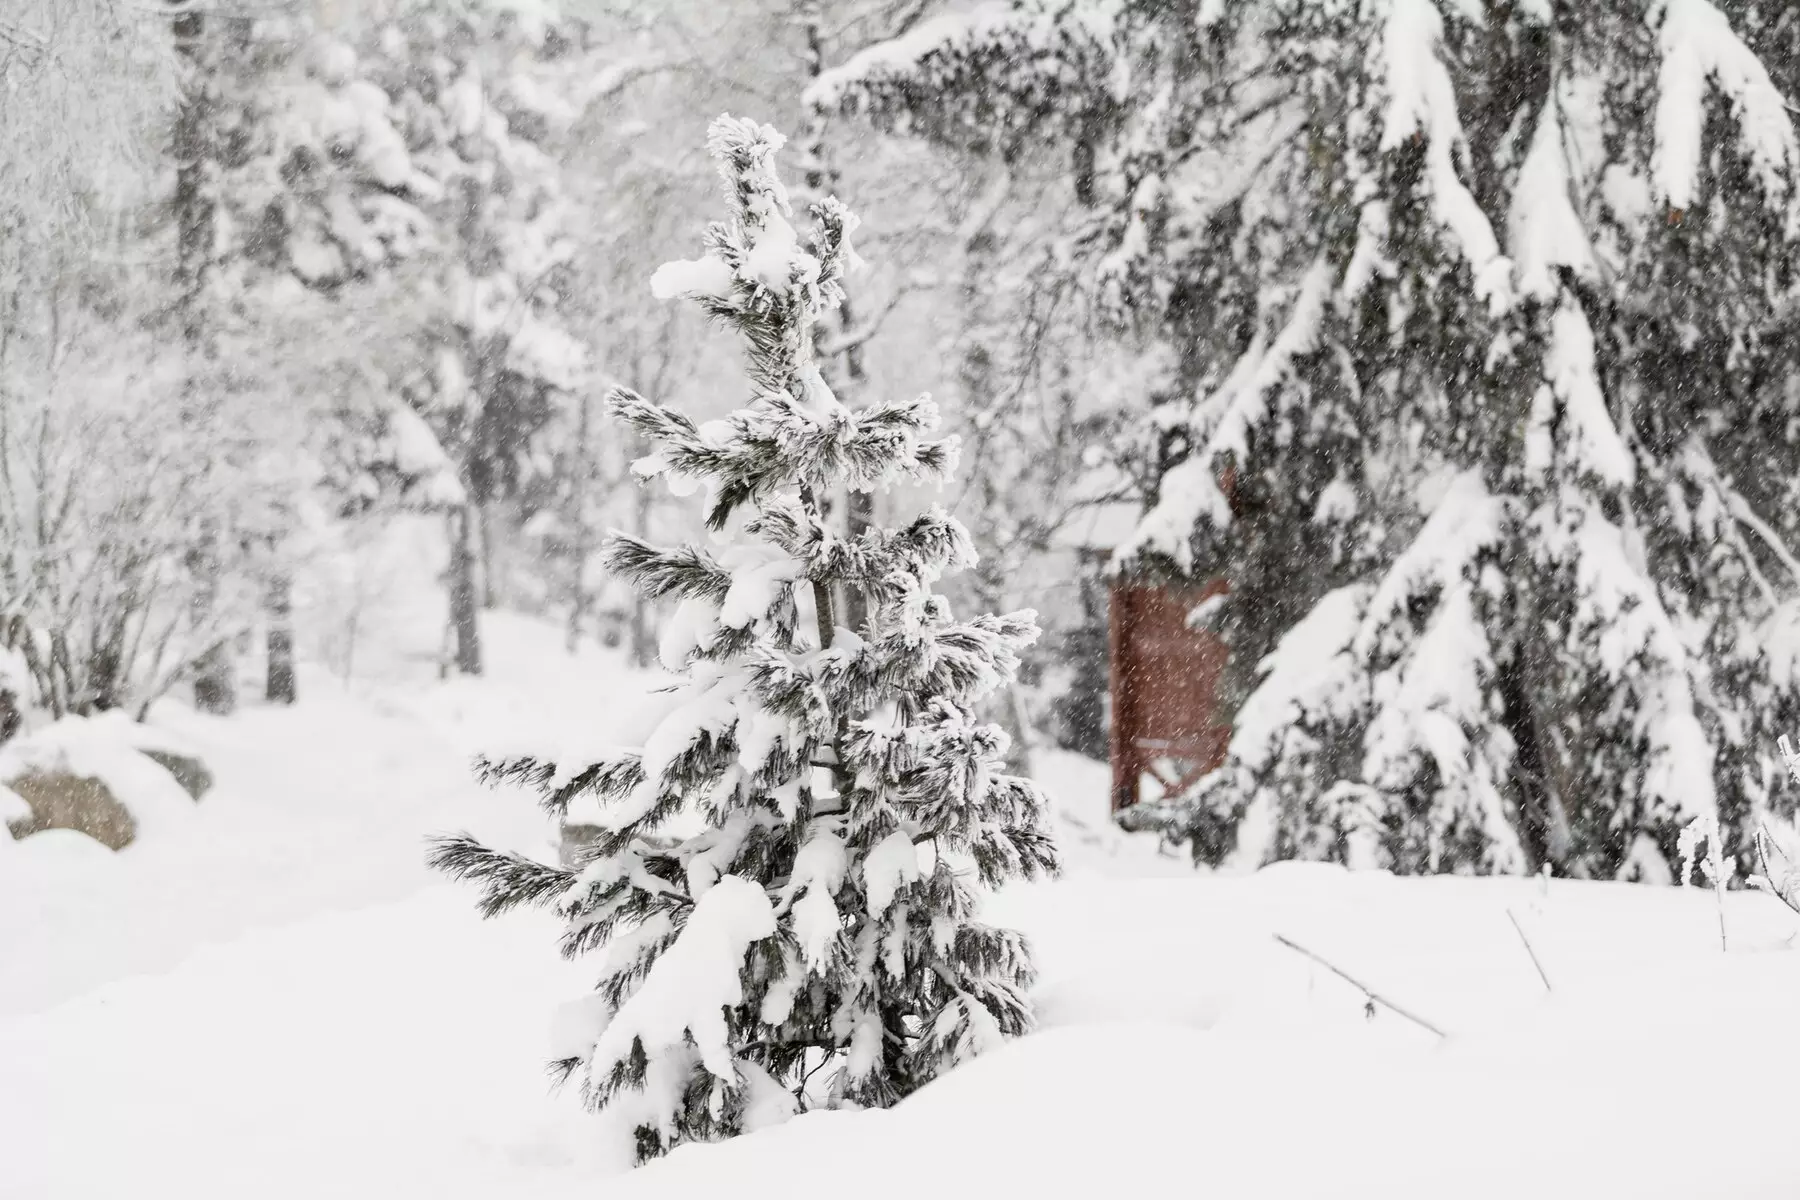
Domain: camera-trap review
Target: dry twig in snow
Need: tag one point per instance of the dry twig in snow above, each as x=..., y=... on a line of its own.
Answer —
x=1520, y=929
x=1373, y=996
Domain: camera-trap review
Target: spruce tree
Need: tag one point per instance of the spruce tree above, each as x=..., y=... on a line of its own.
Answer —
x=786, y=891
x=1485, y=309
x=395, y=173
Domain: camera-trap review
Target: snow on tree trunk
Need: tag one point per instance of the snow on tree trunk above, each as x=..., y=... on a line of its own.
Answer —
x=281, y=686
x=817, y=942
x=822, y=179
x=194, y=203
x=465, y=603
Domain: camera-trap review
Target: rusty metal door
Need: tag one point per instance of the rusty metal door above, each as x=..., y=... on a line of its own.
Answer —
x=1165, y=722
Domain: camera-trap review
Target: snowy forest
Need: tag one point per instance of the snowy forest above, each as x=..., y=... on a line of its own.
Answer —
x=675, y=477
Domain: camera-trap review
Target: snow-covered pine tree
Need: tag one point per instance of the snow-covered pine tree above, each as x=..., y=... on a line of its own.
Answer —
x=816, y=940
x=315, y=210
x=1487, y=309
x=474, y=89
x=391, y=193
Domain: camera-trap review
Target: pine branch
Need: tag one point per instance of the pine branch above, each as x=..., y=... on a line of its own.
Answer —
x=507, y=881
x=685, y=573
x=609, y=779
x=782, y=686
x=1013, y=853
x=525, y=771
x=654, y=422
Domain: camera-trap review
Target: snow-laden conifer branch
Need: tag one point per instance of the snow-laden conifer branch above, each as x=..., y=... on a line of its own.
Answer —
x=684, y=573
x=933, y=545
x=608, y=778
x=782, y=440
x=1013, y=853
x=506, y=881
x=963, y=76
x=1699, y=47
x=968, y=659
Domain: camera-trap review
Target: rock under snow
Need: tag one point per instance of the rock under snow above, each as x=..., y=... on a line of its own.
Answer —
x=107, y=777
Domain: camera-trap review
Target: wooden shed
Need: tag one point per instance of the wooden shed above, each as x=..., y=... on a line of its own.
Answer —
x=1167, y=728
x=1164, y=725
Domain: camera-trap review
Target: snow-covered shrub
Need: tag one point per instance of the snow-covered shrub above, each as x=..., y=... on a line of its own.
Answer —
x=1704, y=831
x=1779, y=875
x=786, y=887
x=99, y=499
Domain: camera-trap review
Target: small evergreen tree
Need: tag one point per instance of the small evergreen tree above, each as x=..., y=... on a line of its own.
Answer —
x=816, y=941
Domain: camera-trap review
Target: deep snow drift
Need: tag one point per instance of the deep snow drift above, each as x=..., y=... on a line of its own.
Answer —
x=276, y=999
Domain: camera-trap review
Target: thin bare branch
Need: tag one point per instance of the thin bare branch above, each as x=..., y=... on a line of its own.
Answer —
x=868, y=328
x=1373, y=996
x=1786, y=888
x=1740, y=508
x=1520, y=930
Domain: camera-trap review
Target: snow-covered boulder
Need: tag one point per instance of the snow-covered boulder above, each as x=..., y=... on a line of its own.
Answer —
x=174, y=754
x=14, y=809
x=61, y=800
x=107, y=777
x=187, y=769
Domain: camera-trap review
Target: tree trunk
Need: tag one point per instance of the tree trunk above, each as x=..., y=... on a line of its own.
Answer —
x=859, y=514
x=643, y=646
x=215, y=670
x=193, y=205
x=12, y=715
x=215, y=688
x=465, y=615
x=1082, y=707
x=822, y=598
x=106, y=668
x=282, y=687
x=485, y=540
x=579, y=536
x=1007, y=707
x=975, y=377
x=572, y=630
x=215, y=680
x=1015, y=718
x=821, y=177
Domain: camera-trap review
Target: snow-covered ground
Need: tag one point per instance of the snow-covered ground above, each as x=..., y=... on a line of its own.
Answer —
x=276, y=999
